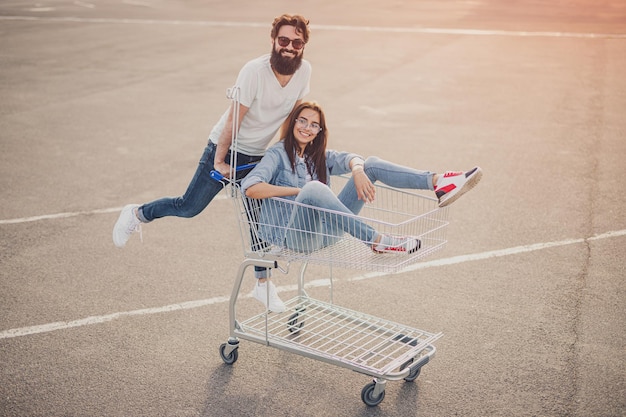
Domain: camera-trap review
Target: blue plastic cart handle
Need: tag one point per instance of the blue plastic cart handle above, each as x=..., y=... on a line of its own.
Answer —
x=217, y=176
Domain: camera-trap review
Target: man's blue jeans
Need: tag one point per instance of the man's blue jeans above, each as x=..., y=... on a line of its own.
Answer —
x=200, y=192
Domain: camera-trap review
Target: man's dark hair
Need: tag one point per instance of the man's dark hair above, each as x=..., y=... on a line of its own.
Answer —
x=298, y=21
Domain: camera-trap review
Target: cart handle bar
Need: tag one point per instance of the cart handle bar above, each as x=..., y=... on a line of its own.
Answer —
x=217, y=176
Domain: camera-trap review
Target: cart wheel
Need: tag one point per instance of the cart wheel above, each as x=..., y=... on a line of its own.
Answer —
x=367, y=395
x=413, y=374
x=292, y=323
x=230, y=358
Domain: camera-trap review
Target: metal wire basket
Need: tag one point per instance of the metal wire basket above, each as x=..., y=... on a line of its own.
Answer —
x=317, y=235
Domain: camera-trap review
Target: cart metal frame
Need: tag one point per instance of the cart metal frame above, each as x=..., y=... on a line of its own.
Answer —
x=378, y=348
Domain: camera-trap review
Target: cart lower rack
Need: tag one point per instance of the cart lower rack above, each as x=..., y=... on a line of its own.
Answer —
x=315, y=329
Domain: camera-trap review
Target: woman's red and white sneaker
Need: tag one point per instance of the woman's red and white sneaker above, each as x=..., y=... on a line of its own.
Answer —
x=453, y=185
x=397, y=244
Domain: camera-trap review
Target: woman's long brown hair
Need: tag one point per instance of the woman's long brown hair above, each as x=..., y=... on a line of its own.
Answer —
x=315, y=151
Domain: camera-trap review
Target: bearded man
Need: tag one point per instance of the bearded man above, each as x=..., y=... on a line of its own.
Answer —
x=270, y=87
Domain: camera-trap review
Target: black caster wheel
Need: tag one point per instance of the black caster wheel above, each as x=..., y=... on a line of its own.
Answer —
x=293, y=324
x=367, y=395
x=230, y=358
x=413, y=374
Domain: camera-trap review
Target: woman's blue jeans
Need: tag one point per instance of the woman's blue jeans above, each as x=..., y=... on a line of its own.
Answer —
x=311, y=229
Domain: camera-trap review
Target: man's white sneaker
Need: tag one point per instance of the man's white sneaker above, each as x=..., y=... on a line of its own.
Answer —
x=126, y=225
x=260, y=293
x=453, y=185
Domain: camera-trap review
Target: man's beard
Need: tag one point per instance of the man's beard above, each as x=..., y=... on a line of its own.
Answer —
x=285, y=65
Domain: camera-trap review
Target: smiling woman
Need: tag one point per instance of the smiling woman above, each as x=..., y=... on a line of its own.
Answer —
x=299, y=167
x=306, y=129
x=302, y=157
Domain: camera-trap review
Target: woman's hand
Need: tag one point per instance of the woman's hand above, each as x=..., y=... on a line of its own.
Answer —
x=364, y=187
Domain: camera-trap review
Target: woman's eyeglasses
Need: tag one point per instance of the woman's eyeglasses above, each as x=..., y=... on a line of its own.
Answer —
x=304, y=124
x=285, y=41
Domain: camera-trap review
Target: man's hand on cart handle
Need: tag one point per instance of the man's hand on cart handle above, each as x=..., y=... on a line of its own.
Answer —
x=222, y=168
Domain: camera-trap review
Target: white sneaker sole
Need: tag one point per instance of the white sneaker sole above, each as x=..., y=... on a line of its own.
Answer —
x=469, y=184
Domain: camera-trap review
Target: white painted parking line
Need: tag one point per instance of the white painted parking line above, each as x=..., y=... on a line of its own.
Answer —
x=58, y=216
x=62, y=325
x=73, y=214
x=84, y=4
x=340, y=28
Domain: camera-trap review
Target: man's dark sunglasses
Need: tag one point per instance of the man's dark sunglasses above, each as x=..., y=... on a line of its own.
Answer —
x=285, y=41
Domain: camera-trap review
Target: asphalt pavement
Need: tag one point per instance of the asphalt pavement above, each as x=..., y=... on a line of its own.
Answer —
x=105, y=103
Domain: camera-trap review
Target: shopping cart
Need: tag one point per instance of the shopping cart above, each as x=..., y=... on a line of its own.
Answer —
x=322, y=330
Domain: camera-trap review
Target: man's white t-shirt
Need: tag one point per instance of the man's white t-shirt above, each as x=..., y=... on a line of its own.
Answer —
x=268, y=103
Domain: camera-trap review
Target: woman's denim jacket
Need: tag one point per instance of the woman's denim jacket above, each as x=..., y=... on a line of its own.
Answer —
x=275, y=169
